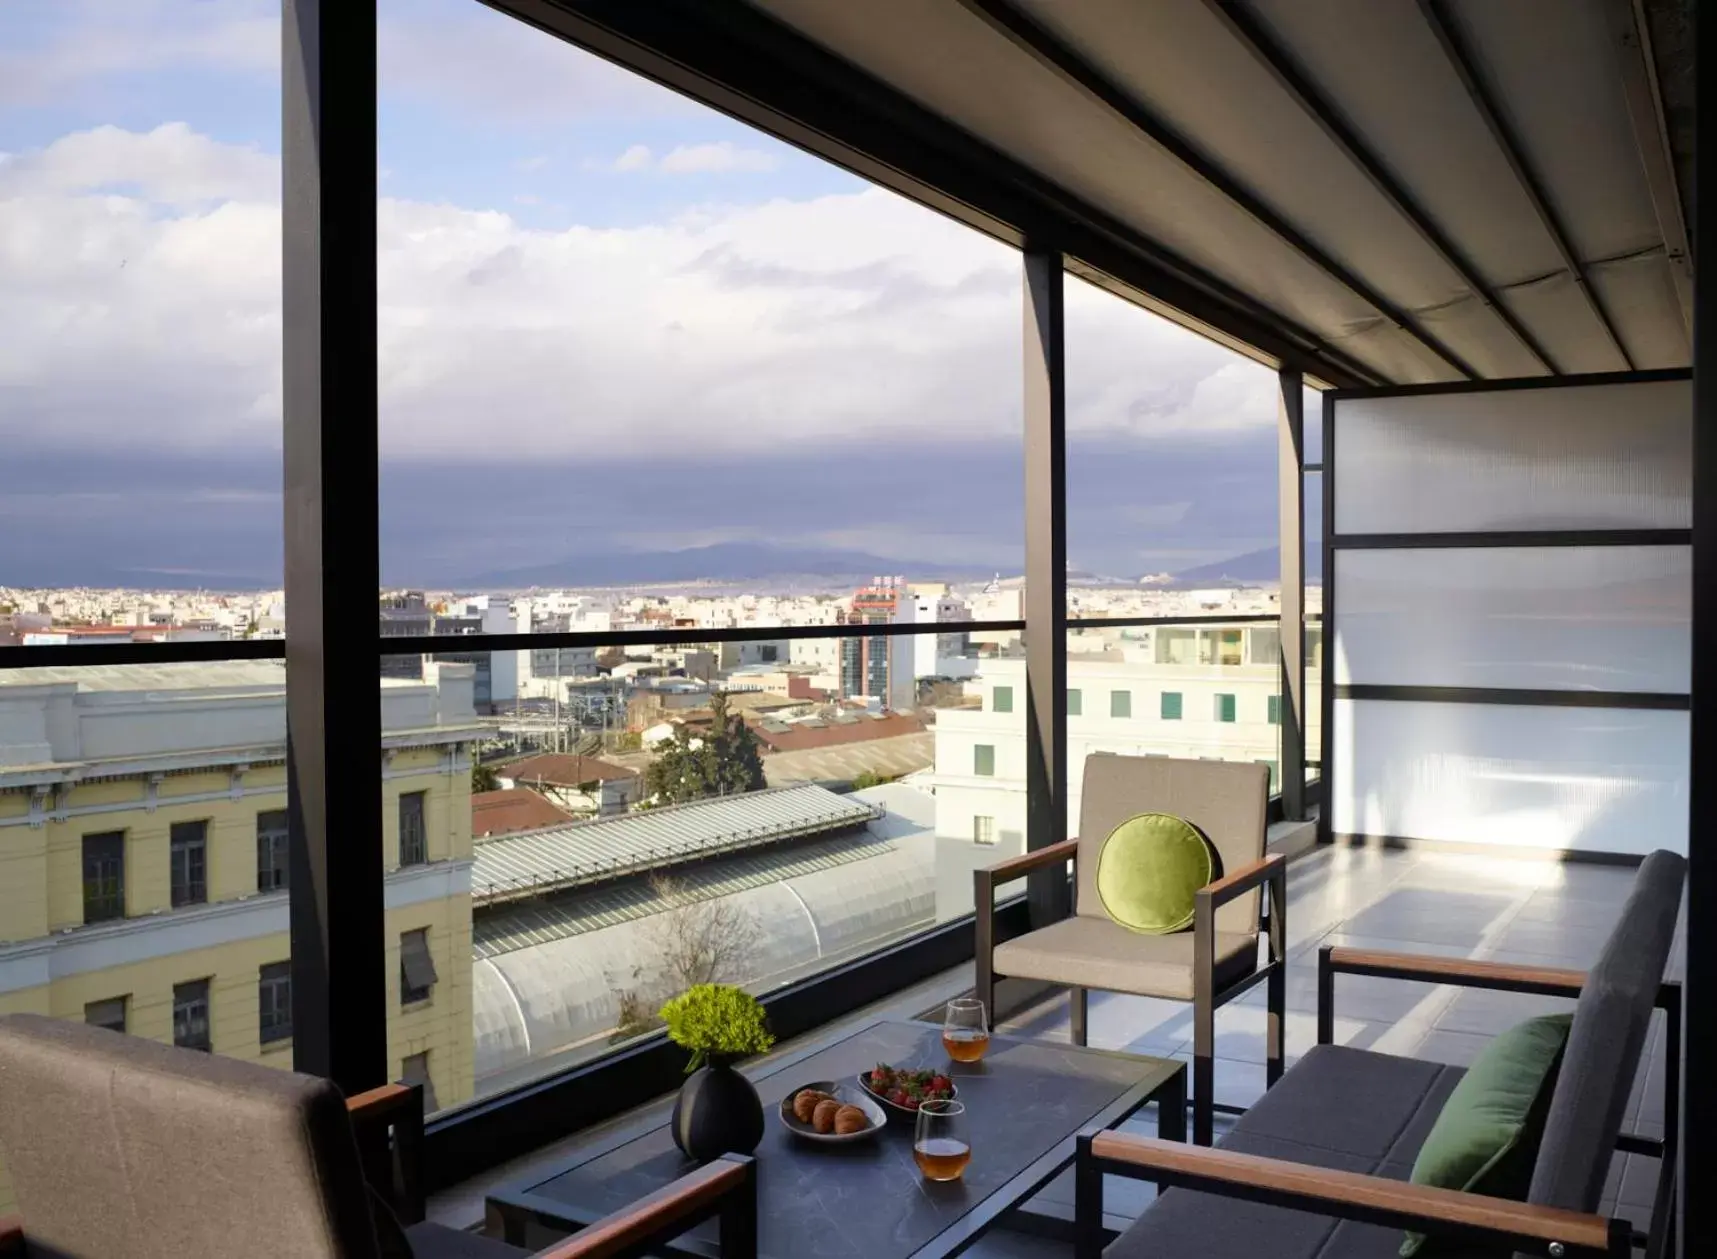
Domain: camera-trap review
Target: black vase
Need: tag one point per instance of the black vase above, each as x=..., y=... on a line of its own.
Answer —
x=716, y=1113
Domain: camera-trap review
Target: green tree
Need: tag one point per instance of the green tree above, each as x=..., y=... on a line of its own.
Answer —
x=870, y=778
x=483, y=778
x=721, y=761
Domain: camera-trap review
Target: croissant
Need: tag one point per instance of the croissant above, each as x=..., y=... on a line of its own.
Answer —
x=849, y=1119
x=805, y=1102
x=823, y=1117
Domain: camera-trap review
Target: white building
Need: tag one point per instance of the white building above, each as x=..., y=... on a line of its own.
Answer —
x=1208, y=691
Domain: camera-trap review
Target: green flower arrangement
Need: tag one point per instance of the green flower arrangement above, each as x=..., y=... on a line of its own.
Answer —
x=717, y=1019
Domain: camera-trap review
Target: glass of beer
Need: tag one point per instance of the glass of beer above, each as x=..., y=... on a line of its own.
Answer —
x=939, y=1144
x=965, y=1030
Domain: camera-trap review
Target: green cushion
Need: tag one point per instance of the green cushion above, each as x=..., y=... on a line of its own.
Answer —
x=1486, y=1138
x=1149, y=869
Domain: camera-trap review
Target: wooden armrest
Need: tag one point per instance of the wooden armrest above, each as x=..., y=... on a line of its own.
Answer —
x=11, y=1235
x=653, y=1218
x=379, y=1103
x=1352, y=1195
x=1242, y=880
x=1470, y=972
x=1017, y=867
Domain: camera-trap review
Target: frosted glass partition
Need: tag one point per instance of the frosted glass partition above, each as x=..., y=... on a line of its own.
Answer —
x=1602, y=780
x=1589, y=618
x=1592, y=457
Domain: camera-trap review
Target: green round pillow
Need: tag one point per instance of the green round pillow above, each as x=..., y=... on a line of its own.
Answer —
x=1149, y=871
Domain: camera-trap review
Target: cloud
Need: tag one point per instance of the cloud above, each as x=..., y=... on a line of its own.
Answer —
x=718, y=157
x=143, y=308
x=721, y=157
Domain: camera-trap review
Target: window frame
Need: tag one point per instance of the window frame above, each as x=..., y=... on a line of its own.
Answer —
x=1227, y=708
x=1175, y=700
x=419, y=852
x=1075, y=702
x=983, y=754
x=123, y=1003
x=187, y=996
x=984, y=829
x=273, y=852
x=412, y=959
x=1001, y=699
x=274, y=1015
x=113, y=898
x=188, y=863
x=1120, y=705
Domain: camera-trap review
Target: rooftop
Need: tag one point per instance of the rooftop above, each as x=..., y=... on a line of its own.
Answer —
x=562, y=769
x=597, y=851
x=512, y=809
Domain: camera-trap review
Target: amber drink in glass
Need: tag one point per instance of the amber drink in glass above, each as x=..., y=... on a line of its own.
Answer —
x=965, y=1030
x=939, y=1143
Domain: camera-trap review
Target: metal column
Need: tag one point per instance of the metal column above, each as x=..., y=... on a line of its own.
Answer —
x=1698, y=1210
x=1045, y=603
x=1291, y=477
x=333, y=704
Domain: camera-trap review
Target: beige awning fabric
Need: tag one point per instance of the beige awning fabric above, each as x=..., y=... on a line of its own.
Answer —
x=1502, y=139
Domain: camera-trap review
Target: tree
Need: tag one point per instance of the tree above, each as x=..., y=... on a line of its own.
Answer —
x=692, y=941
x=483, y=778
x=870, y=778
x=722, y=761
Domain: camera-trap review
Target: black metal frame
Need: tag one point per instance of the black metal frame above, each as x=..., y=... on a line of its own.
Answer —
x=512, y=1210
x=1091, y=1167
x=1458, y=540
x=1271, y=872
x=1660, y=1237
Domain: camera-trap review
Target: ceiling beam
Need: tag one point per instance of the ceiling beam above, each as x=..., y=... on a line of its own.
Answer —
x=1246, y=28
x=752, y=67
x=1651, y=136
x=1049, y=51
x=1460, y=58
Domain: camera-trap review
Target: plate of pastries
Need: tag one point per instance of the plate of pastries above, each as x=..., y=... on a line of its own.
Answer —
x=830, y=1112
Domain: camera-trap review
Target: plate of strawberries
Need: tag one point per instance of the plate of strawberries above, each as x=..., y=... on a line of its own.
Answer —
x=904, y=1089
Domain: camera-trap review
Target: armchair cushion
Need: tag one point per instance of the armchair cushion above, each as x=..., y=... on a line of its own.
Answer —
x=1097, y=953
x=1149, y=871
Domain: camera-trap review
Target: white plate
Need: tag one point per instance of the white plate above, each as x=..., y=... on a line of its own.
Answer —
x=847, y=1095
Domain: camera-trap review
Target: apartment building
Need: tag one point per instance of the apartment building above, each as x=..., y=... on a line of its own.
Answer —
x=143, y=859
x=1207, y=691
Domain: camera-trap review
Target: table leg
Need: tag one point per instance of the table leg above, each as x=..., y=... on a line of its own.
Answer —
x=1171, y=1108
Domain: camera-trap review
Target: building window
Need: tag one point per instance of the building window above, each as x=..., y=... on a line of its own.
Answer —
x=271, y=842
x=274, y=1002
x=1171, y=705
x=1002, y=699
x=984, y=760
x=413, y=837
x=109, y=1014
x=1075, y=703
x=983, y=829
x=104, y=876
x=191, y=1016
x=416, y=967
x=1274, y=707
x=415, y=1070
x=1120, y=703
x=190, y=863
x=1275, y=774
x=1225, y=708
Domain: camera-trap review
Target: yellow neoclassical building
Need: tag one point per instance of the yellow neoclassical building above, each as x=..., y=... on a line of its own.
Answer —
x=143, y=859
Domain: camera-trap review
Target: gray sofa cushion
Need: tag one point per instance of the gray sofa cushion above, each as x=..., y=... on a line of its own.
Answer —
x=1345, y=1109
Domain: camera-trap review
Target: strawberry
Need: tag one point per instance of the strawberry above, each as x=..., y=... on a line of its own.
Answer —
x=941, y=1084
x=900, y=1098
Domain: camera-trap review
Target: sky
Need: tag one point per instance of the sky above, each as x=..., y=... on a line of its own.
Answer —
x=611, y=319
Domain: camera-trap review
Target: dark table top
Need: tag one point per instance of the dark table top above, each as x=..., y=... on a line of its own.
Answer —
x=867, y=1200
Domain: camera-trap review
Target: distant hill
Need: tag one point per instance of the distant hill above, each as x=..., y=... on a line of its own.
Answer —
x=723, y=561
x=1254, y=566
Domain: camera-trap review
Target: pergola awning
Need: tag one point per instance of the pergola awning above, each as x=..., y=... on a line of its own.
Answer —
x=1376, y=191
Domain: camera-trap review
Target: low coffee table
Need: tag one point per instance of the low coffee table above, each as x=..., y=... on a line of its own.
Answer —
x=1024, y=1104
